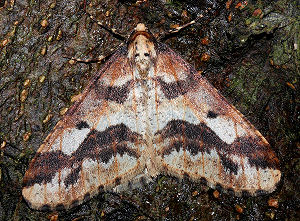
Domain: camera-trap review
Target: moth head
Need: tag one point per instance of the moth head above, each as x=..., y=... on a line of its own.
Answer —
x=140, y=27
x=141, y=49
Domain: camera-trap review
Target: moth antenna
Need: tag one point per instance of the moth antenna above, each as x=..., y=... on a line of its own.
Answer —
x=110, y=30
x=176, y=30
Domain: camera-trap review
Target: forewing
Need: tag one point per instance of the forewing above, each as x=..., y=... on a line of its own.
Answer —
x=204, y=137
x=92, y=147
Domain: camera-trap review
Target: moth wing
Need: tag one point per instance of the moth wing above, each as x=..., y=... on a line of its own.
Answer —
x=90, y=148
x=204, y=137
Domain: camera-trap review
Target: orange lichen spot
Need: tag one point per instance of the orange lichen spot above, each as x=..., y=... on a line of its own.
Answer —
x=291, y=85
x=230, y=17
x=227, y=81
x=42, y=78
x=47, y=118
x=238, y=5
x=257, y=12
x=24, y=94
x=205, y=57
x=53, y=216
x=241, y=5
x=26, y=83
x=26, y=136
x=44, y=50
x=63, y=111
x=273, y=203
x=4, y=42
x=59, y=35
x=228, y=4
x=205, y=41
x=44, y=23
x=216, y=194
x=239, y=209
x=195, y=193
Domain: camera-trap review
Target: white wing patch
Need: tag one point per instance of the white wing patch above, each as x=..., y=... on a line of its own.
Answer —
x=225, y=128
x=71, y=139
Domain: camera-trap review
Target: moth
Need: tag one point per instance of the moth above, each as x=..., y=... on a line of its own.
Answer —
x=147, y=112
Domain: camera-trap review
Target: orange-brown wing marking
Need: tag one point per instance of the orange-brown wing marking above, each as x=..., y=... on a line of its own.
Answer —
x=203, y=136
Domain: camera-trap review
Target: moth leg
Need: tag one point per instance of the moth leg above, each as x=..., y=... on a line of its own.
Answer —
x=73, y=60
x=177, y=29
x=100, y=58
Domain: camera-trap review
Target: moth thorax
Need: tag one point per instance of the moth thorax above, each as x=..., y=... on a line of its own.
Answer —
x=142, y=53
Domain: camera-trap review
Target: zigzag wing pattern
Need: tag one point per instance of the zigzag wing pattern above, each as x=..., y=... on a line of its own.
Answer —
x=204, y=137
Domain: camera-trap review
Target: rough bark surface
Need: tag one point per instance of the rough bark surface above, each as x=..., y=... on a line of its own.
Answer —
x=249, y=50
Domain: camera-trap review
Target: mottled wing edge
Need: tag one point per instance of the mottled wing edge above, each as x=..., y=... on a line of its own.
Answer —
x=41, y=166
x=266, y=156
